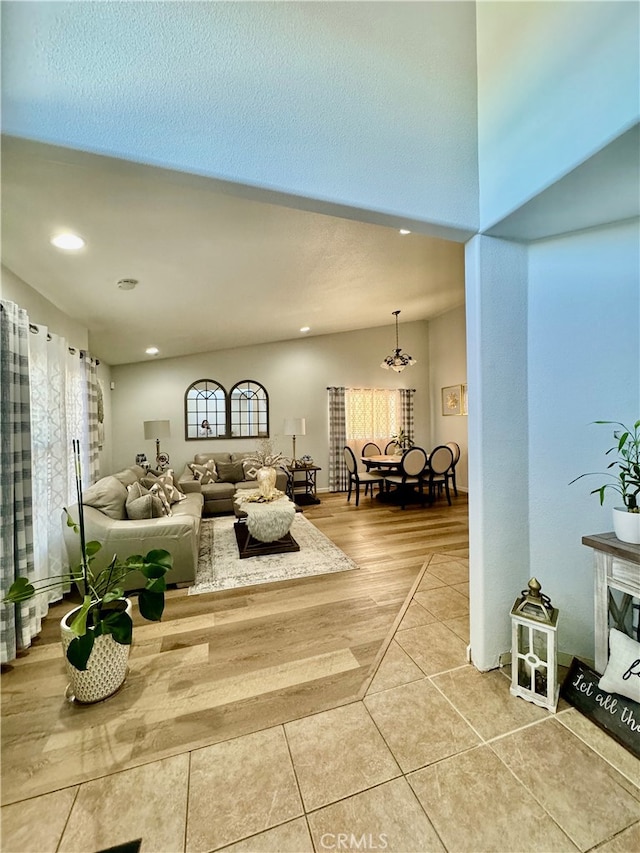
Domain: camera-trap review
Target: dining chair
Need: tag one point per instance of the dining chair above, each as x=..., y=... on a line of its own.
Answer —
x=412, y=470
x=451, y=473
x=357, y=477
x=391, y=448
x=440, y=461
x=371, y=449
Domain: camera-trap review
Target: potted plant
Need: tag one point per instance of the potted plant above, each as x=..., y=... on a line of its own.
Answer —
x=97, y=635
x=624, y=474
x=402, y=440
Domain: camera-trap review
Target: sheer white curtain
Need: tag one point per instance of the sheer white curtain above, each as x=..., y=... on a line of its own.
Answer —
x=48, y=360
x=63, y=407
x=372, y=414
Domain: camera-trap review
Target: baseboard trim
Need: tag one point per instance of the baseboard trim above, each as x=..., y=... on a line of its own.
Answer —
x=564, y=659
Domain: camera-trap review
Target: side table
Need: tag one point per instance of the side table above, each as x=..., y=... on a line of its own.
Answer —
x=301, y=487
x=617, y=569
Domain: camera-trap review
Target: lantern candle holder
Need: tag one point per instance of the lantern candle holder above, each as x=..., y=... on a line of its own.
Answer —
x=534, y=648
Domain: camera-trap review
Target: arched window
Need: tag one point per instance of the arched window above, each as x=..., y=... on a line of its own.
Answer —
x=249, y=411
x=205, y=410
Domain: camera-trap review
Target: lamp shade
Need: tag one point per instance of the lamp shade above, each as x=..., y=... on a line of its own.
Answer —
x=157, y=429
x=295, y=426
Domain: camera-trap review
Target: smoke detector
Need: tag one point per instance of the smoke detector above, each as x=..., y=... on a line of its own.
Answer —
x=127, y=283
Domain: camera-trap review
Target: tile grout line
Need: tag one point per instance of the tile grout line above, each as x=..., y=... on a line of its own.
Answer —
x=66, y=823
x=457, y=710
x=595, y=749
x=532, y=795
x=186, y=816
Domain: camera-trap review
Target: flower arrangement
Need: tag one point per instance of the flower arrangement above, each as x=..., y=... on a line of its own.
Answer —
x=266, y=456
x=402, y=440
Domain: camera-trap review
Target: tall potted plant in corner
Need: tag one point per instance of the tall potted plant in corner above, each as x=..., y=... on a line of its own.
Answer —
x=97, y=635
x=624, y=474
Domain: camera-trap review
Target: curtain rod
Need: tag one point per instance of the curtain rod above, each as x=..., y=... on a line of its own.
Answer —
x=72, y=350
x=349, y=388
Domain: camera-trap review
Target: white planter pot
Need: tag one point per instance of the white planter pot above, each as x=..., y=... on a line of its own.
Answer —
x=626, y=525
x=106, y=669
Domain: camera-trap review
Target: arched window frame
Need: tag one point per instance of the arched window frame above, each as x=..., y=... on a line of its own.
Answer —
x=248, y=423
x=207, y=421
x=215, y=421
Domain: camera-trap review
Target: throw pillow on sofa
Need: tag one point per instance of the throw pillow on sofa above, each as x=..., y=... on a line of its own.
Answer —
x=109, y=496
x=230, y=472
x=168, y=483
x=206, y=473
x=158, y=491
x=250, y=470
x=142, y=504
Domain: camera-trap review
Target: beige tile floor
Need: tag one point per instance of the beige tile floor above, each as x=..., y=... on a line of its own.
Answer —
x=436, y=757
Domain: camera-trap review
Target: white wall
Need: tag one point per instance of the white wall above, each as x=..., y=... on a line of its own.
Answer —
x=296, y=375
x=448, y=366
x=583, y=365
x=315, y=99
x=557, y=81
x=41, y=311
x=498, y=440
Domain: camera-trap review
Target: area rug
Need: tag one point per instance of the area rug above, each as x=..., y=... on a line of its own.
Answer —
x=220, y=567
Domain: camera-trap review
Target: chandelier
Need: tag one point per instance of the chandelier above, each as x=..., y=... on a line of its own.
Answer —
x=398, y=361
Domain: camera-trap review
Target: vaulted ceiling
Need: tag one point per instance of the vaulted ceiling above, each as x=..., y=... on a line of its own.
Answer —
x=217, y=265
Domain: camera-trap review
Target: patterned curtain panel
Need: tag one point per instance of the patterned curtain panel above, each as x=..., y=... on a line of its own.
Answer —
x=337, y=440
x=19, y=622
x=406, y=409
x=92, y=424
x=51, y=443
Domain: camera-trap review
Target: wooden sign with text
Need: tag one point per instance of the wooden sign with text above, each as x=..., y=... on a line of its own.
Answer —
x=616, y=715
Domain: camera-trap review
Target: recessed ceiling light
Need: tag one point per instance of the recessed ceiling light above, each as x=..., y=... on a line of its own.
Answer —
x=305, y=328
x=127, y=283
x=152, y=350
x=404, y=231
x=67, y=241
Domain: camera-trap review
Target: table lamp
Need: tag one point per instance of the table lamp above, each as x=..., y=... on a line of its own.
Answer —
x=158, y=430
x=294, y=427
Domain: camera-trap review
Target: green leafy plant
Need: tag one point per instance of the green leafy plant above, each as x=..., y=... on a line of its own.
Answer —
x=402, y=440
x=103, y=608
x=624, y=471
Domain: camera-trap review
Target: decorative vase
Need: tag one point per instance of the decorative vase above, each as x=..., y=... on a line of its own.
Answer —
x=626, y=525
x=106, y=669
x=266, y=477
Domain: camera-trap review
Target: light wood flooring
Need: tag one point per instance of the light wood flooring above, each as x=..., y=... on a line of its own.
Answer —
x=226, y=664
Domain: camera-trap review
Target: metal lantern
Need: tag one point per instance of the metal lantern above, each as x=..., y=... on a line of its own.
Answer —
x=534, y=648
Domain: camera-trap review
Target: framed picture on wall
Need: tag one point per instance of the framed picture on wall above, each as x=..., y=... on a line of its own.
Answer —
x=465, y=401
x=452, y=400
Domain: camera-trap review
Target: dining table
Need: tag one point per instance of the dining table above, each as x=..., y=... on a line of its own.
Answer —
x=382, y=460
